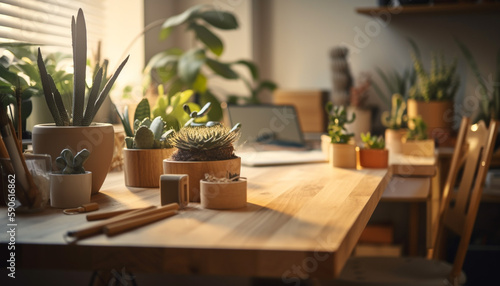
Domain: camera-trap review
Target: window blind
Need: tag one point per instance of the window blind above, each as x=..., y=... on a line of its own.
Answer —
x=48, y=22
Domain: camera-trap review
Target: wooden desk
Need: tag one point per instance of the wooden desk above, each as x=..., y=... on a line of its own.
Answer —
x=300, y=220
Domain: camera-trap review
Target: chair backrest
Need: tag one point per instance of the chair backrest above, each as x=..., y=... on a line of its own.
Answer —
x=461, y=199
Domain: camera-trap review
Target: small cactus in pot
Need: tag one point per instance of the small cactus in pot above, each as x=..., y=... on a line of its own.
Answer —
x=150, y=134
x=69, y=164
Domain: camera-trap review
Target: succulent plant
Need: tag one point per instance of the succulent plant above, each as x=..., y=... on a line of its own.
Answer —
x=418, y=131
x=69, y=164
x=372, y=141
x=79, y=115
x=205, y=143
x=150, y=134
x=441, y=83
x=396, y=118
x=337, y=119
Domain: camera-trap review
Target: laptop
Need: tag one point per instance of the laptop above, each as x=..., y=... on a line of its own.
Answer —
x=270, y=135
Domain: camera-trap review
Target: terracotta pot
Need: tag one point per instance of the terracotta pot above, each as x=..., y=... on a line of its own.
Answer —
x=197, y=170
x=142, y=168
x=97, y=138
x=231, y=195
x=70, y=191
x=438, y=115
x=373, y=158
x=394, y=140
x=420, y=148
x=343, y=155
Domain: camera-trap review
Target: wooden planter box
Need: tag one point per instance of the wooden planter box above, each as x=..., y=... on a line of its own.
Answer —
x=438, y=115
x=343, y=155
x=420, y=148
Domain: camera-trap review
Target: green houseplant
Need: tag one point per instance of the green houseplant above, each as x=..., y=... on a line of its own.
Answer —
x=394, y=122
x=71, y=186
x=342, y=151
x=75, y=129
x=374, y=154
x=431, y=97
x=417, y=142
x=191, y=69
x=203, y=149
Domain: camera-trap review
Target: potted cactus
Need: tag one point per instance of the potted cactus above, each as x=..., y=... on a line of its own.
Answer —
x=342, y=150
x=374, y=154
x=416, y=142
x=75, y=129
x=393, y=121
x=203, y=149
x=431, y=97
x=145, y=151
x=71, y=186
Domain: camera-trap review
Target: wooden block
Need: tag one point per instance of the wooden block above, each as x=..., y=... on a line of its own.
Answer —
x=310, y=106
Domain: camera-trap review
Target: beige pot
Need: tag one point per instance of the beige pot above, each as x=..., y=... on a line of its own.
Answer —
x=325, y=146
x=197, y=170
x=97, y=138
x=343, y=155
x=362, y=124
x=70, y=191
x=142, y=168
x=394, y=140
x=420, y=148
x=231, y=195
x=438, y=115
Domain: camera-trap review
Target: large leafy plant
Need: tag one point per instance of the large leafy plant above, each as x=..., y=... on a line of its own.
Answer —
x=81, y=115
x=190, y=69
x=490, y=95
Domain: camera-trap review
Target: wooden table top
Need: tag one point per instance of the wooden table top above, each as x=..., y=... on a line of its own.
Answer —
x=308, y=215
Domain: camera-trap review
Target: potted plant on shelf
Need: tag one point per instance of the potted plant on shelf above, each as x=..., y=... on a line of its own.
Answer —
x=374, y=154
x=416, y=142
x=229, y=192
x=75, y=129
x=71, y=186
x=203, y=149
x=432, y=95
x=342, y=151
x=393, y=121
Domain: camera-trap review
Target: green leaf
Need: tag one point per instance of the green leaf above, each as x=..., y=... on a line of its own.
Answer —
x=175, y=87
x=178, y=20
x=200, y=84
x=208, y=38
x=215, y=113
x=171, y=122
x=251, y=67
x=26, y=109
x=189, y=65
x=267, y=84
x=222, y=69
x=143, y=110
x=179, y=113
x=220, y=19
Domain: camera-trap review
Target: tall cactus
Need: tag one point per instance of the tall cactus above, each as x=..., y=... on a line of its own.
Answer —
x=395, y=119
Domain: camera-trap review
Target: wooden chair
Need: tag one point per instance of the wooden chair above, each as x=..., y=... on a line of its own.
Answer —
x=458, y=211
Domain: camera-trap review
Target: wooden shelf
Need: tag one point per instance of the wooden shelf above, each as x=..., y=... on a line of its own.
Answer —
x=437, y=9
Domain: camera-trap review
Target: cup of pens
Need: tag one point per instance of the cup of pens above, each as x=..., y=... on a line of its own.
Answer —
x=15, y=192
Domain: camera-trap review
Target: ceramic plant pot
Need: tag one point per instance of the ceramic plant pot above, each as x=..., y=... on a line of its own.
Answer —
x=70, y=191
x=229, y=195
x=420, y=148
x=394, y=140
x=373, y=158
x=197, y=170
x=325, y=146
x=362, y=124
x=343, y=155
x=98, y=138
x=142, y=168
x=438, y=115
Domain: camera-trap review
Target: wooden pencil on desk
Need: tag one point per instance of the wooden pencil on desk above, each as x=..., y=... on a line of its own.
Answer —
x=125, y=225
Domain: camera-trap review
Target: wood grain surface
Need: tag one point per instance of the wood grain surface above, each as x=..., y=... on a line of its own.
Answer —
x=300, y=220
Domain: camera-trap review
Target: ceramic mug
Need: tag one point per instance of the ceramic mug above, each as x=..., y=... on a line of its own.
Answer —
x=70, y=190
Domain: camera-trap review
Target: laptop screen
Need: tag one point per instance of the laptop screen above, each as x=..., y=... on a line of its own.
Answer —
x=267, y=124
